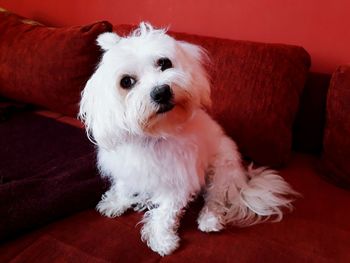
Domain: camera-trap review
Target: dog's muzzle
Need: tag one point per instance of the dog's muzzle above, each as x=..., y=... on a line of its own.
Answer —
x=163, y=96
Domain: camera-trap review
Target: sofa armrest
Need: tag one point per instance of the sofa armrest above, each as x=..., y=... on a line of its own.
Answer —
x=336, y=155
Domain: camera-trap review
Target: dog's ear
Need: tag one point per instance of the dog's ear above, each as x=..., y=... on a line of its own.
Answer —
x=196, y=52
x=94, y=110
x=198, y=62
x=107, y=40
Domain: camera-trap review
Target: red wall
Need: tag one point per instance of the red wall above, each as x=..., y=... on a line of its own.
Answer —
x=321, y=26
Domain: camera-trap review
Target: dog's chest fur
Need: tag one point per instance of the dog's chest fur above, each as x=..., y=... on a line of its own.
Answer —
x=159, y=165
x=149, y=165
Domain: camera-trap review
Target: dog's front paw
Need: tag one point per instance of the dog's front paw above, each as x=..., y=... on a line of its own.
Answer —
x=162, y=242
x=111, y=209
x=209, y=222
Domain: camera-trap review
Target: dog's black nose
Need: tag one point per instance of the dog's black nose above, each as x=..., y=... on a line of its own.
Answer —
x=161, y=94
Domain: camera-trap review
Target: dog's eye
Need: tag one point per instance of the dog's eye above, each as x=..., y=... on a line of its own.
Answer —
x=164, y=63
x=127, y=82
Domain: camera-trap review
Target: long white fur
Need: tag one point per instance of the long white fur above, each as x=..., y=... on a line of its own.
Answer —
x=160, y=162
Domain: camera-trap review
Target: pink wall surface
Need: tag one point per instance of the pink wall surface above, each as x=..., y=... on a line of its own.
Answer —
x=322, y=27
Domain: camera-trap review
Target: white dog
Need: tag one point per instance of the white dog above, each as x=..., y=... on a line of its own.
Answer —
x=145, y=109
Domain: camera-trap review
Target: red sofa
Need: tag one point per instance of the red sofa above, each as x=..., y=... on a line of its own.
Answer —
x=49, y=211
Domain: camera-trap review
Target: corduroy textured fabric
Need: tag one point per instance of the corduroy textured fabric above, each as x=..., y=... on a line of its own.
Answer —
x=47, y=66
x=336, y=154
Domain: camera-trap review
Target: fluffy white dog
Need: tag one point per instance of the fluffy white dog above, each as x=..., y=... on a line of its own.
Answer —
x=145, y=109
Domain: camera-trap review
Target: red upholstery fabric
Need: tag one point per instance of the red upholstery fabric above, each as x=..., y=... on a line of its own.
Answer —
x=336, y=156
x=44, y=65
x=47, y=171
x=317, y=231
x=255, y=91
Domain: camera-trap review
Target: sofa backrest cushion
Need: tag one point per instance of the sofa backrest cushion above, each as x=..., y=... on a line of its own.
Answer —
x=336, y=143
x=47, y=66
x=256, y=89
x=255, y=86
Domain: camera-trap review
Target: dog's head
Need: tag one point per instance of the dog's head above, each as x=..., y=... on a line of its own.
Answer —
x=147, y=84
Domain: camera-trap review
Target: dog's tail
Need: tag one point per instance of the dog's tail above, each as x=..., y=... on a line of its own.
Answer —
x=263, y=198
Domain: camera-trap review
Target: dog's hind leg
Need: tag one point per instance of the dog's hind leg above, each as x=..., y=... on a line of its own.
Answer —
x=225, y=177
x=242, y=197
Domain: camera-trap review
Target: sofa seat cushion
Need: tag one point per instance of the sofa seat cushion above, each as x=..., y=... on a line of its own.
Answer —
x=47, y=171
x=317, y=231
x=44, y=65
